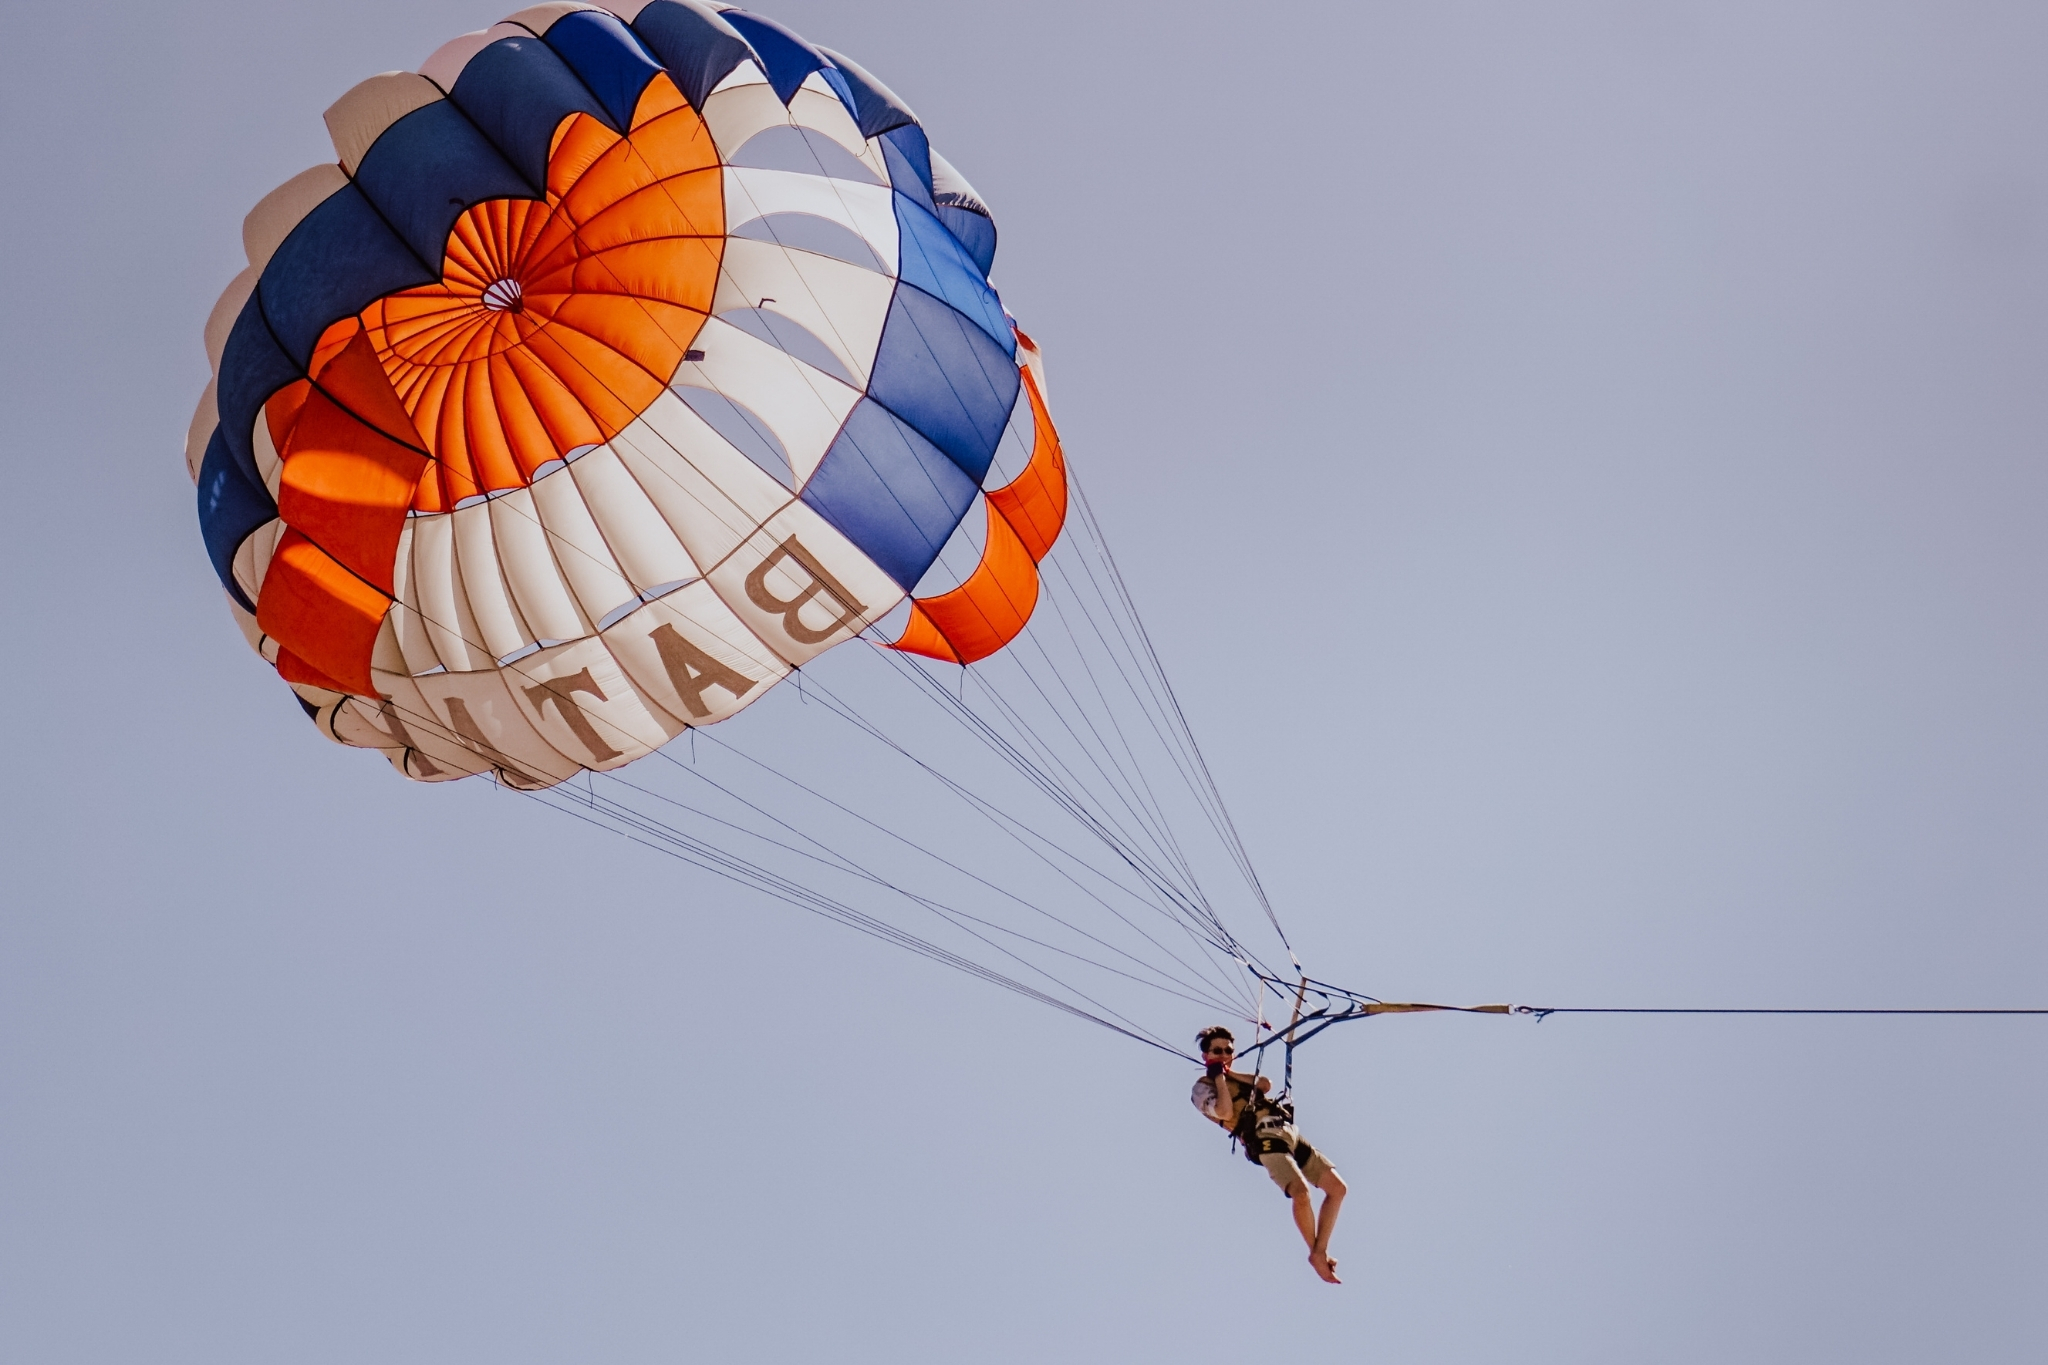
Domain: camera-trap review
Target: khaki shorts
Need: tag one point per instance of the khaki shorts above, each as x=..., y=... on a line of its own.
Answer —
x=1285, y=1170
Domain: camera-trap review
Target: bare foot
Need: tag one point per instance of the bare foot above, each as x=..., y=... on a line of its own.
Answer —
x=1324, y=1267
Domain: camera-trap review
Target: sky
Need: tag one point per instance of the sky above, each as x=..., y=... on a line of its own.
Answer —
x=1582, y=466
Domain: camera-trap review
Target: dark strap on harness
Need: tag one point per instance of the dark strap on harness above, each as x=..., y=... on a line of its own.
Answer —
x=1245, y=1131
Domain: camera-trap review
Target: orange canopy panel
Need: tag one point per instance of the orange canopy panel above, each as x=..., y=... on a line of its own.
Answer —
x=991, y=608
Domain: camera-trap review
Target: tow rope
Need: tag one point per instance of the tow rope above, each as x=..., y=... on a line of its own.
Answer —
x=1334, y=1005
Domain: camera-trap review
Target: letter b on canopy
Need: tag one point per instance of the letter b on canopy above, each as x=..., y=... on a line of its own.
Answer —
x=821, y=588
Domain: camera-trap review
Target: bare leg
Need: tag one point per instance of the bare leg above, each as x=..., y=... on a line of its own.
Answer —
x=1304, y=1212
x=1334, y=1190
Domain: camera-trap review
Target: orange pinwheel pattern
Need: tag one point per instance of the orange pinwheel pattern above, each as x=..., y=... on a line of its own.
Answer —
x=554, y=325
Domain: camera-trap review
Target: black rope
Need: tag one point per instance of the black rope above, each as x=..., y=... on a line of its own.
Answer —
x=1335, y=1005
x=1541, y=1012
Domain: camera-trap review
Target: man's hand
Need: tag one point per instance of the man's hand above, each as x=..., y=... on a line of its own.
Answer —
x=1264, y=1084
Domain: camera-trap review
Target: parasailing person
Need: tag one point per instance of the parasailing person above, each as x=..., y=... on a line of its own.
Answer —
x=1243, y=1107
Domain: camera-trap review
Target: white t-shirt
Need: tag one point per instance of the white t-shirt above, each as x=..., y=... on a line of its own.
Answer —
x=1204, y=1098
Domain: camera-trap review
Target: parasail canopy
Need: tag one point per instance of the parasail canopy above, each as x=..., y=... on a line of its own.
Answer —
x=624, y=360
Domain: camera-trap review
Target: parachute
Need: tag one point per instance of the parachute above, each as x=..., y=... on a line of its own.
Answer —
x=612, y=373
x=625, y=362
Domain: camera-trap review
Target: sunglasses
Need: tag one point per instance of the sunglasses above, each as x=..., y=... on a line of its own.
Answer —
x=1222, y=1050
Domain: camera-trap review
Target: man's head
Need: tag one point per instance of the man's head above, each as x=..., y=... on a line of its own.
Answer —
x=1216, y=1044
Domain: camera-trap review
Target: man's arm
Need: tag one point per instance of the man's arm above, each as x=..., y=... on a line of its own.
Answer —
x=1228, y=1106
x=1226, y=1102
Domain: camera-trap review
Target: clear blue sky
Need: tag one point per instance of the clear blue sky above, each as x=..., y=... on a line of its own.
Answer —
x=1584, y=467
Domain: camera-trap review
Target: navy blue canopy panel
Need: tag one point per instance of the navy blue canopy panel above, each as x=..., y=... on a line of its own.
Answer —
x=231, y=508
x=695, y=43
x=876, y=108
x=890, y=491
x=785, y=58
x=612, y=63
x=517, y=91
x=946, y=377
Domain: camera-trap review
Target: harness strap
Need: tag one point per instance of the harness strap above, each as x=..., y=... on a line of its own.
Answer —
x=1259, y=1112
